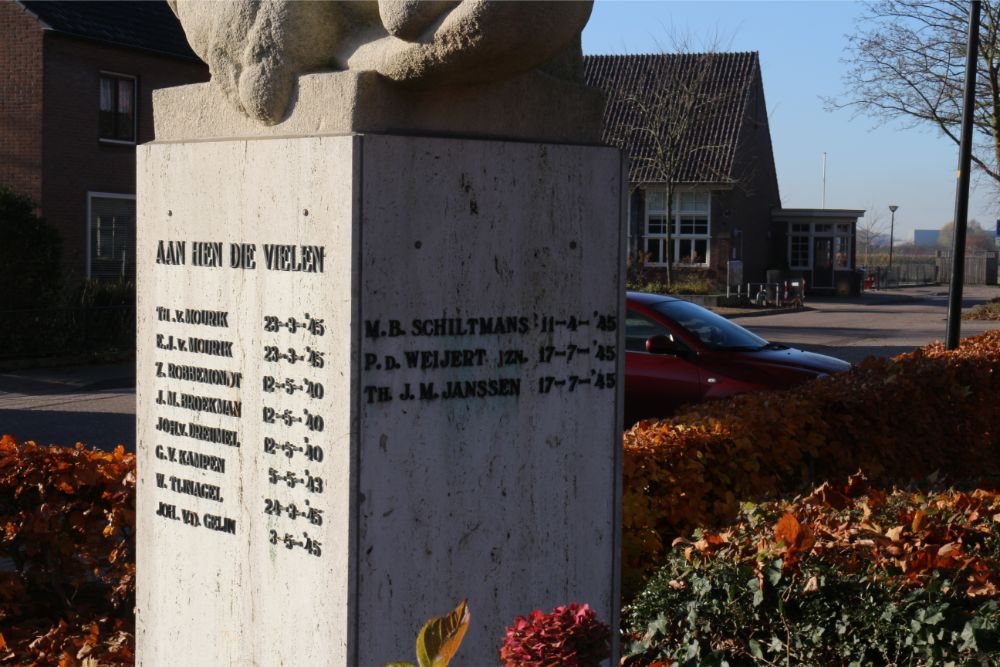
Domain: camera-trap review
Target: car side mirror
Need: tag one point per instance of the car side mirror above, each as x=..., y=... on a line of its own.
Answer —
x=663, y=345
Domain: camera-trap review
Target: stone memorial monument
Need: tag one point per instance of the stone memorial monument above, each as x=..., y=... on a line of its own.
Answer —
x=379, y=346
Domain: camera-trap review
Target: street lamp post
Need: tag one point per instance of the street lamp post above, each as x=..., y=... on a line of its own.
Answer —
x=892, y=231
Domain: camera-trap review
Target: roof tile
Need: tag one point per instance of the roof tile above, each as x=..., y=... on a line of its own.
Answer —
x=696, y=103
x=148, y=25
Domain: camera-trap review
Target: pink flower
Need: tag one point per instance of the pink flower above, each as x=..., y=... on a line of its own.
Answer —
x=569, y=636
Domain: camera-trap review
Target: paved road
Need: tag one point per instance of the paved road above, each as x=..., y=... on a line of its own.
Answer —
x=877, y=323
x=96, y=404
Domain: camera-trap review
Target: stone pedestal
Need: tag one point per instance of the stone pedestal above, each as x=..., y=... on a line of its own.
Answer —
x=376, y=375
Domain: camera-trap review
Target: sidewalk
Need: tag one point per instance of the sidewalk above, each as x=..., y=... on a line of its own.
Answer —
x=92, y=404
x=876, y=323
x=971, y=295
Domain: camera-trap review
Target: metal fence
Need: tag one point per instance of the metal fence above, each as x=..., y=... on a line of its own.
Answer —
x=47, y=332
x=913, y=273
x=779, y=294
x=980, y=267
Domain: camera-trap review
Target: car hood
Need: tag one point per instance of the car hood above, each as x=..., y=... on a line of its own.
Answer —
x=799, y=358
x=782, y=362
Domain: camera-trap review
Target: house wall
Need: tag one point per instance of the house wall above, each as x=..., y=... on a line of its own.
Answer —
x=76, y=161
x=745, y=207
x=20, y=101
x=756, y=193
x=719, y=248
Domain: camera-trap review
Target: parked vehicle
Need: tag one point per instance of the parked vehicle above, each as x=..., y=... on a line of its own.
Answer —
x=677, y=353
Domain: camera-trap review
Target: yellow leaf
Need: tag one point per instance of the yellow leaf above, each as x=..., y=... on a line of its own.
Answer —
x=947, y=550
x=894, y=533
x=441, y=636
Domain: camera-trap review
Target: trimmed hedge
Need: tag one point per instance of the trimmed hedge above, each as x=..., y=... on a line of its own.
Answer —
x=846, y=576
x=67, y=519
x=927, y=412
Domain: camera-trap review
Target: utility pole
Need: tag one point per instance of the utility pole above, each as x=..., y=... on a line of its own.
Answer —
x=823, y=205
x=962, y=189
x=892, y=232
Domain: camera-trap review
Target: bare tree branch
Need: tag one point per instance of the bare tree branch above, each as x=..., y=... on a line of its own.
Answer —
x=907, y=63
x=673, y=120
x=870, y=231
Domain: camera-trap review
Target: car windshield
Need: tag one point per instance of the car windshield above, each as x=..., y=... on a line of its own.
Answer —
x=714, y=331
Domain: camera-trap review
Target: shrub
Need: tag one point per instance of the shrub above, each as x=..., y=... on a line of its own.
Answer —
x=641, y=277
x=984, y=311
x=68, y=518
x=844, y=576
x=104, y=294
x=49, y=318
x=570, y=635
x=95, y=318
x=29, y=254
x=899, y=420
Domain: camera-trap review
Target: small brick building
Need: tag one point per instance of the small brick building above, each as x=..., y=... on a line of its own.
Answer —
x=75, y=100
x=699, y=121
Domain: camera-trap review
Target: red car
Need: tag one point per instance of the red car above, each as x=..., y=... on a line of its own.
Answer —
x=677, y=352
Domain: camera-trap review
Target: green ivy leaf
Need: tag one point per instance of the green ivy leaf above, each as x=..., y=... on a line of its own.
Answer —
x=934, y=618
x=755, y=649
x=773, y=572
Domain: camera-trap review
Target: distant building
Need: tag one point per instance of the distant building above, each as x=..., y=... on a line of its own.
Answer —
x=726, y=204
x=724, y=194
x=75, y=100
x=926, y=238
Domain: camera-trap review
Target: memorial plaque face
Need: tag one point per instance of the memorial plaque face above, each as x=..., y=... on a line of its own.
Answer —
x=243, y=401
x=377, y=375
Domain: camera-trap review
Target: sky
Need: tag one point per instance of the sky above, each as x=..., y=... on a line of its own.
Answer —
x=801, y=44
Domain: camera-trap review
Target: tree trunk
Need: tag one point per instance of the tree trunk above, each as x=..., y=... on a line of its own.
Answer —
x=669, y=243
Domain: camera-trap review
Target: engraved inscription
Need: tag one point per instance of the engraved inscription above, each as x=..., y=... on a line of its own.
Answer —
x=407, y=359
x=193, y=461
x=535, y=352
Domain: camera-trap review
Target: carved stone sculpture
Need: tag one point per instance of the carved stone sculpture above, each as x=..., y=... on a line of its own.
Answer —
x=257, y=49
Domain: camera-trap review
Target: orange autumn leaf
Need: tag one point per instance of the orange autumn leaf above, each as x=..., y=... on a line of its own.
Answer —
x=696, y=468
x=787, y=530
x=918, y=520
x=797, y=538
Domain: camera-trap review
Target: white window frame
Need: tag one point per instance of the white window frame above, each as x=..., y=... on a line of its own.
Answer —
x=808, y=235
x=90, y=212
x=135, y=109
x=676, y=238
x=835, y=231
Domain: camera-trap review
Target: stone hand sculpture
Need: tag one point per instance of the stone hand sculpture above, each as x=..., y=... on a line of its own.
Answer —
x=256, y=49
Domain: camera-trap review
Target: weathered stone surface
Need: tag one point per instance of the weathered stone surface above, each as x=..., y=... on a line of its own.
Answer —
x=546, y=109
x=256, y=50
x=407, y=19
x=470, y=297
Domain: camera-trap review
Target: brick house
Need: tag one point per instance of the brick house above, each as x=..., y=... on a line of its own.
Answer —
x=709, y=111
x=75, y=100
